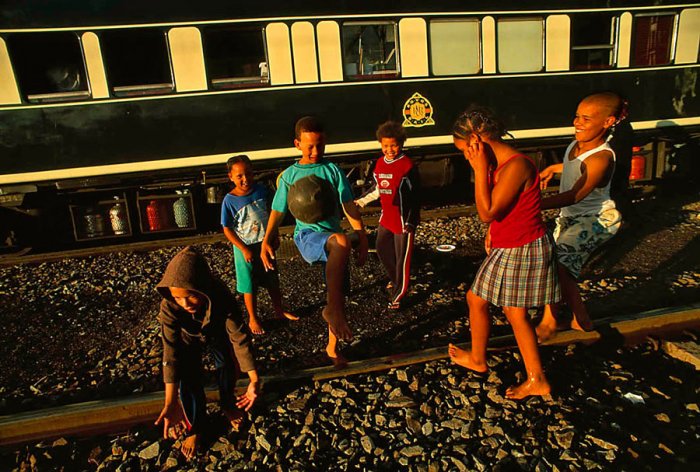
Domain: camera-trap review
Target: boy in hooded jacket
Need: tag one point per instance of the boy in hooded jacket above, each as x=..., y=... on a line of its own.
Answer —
x=197, y=312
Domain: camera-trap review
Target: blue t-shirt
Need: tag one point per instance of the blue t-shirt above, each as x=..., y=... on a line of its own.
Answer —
x=247, y=215
x=325, y=170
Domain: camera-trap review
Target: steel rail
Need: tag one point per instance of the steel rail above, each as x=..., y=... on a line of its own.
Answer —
x=116, y=415
x=372, y=220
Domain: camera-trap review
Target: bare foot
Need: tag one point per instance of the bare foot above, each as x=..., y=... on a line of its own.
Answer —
x=235, y=417
x=581, y=323
x=337, y=323
x=189, y=446
x=287, y=316
x=464, y=358
x=532, y=386
x=255, y=326
x=545, y=331
x=339, y=362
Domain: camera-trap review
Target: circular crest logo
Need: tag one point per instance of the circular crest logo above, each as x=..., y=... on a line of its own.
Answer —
x=384, y=183
x=417, y=112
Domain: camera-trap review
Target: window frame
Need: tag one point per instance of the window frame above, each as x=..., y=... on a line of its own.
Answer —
x=138, y=90
x=51, y=97
x=543, y=52
x=479, y=40
x=672, y=43
x=612, y=47
x=231, y=83
x=388, y=74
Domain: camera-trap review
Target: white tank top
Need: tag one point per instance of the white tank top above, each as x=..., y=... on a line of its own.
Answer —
x=595, y=202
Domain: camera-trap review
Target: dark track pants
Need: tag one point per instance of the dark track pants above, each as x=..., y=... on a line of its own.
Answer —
x=395, y=251
x=192, y=395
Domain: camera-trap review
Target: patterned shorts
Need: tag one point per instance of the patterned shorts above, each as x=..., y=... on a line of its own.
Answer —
x=524, y=276
x=578, y=236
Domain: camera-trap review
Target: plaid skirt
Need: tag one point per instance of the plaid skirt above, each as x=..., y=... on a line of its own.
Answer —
x=523, y=277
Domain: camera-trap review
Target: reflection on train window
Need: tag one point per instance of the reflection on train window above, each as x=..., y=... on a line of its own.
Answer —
x=520, y=44
x=592, y=40
x=369, y=50
x=652, y=39
x=235, y=57
x=454, y=47
x=49, y=66
x=137, y=61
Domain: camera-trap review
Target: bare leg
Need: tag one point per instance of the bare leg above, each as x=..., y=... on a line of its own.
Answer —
x=332, y=351
x=251, y=306
x=189, y=446
x=480, y=326
x=548, y=325
x=338, y=248
x=276, y=298
x=536, y=383
x=572, y=296
x=234, y=417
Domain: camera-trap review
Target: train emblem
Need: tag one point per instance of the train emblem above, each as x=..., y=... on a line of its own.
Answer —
x=417, y=112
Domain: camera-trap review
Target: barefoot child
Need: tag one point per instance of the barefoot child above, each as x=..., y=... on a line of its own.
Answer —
x=244, y=215
x=519, y=270
x=322, y=240
x=198, y=311
x=396, y=186
x=588, y=215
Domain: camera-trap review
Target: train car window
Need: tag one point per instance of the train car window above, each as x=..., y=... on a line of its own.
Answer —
x=236, y=57
x=369, y=50
x=593, y=40
x=49, y=66
x=652, y=39
x=137, y=61
x=520, y=44
x=454, y=47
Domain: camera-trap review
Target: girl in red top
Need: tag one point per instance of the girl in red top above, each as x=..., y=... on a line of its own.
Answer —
x=519, y=271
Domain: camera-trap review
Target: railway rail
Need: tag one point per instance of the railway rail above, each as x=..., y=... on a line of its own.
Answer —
x=110, y=416
x=287, y=249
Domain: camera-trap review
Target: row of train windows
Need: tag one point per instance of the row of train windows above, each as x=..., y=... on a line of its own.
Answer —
x=50, y=66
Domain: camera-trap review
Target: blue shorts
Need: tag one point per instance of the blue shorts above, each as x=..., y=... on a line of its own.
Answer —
x=251, y=275
x=312, y=245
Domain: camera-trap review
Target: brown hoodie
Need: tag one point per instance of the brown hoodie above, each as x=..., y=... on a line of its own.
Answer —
x=179, y=329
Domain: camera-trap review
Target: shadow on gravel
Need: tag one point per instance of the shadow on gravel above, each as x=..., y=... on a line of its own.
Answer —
x=642, y=221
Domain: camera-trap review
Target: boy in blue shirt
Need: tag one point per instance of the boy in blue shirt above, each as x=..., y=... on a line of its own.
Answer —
x=244, y=215
x=320, y=241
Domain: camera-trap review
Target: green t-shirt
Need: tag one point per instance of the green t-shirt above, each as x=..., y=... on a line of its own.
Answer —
x=325, y=170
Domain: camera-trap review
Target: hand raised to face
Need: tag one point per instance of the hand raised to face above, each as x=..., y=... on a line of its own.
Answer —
x=475, y=153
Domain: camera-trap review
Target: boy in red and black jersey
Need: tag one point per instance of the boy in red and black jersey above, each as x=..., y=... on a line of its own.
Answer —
x=396, y=186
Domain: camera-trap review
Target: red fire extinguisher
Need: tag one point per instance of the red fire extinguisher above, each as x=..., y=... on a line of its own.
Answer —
x=153, y=212
x=638, y=165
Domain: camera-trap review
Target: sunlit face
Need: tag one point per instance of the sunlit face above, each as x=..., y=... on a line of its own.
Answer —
x=312, y=146
x=391, y=148
x=463, y=144
x=188, y=300
x=592, y=121
x=241, y=174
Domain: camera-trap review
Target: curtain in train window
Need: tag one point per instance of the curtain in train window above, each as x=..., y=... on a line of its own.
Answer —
x=653, y=35
x=235, y=56
x=520, y=45
x=592, y=40
x=454, y=47
x=369, y=50
x=137, y=61
x=49, y=66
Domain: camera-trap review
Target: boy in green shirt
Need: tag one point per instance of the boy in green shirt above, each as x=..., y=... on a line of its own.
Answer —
x=320, y=241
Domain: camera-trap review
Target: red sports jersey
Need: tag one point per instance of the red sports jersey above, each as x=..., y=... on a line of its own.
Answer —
x=396, y=186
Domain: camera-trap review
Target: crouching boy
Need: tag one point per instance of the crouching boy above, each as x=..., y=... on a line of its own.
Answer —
x=198, y=312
